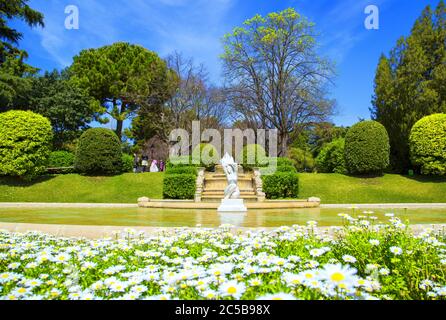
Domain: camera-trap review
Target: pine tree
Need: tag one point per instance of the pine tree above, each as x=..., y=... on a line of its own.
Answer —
x=410, y=83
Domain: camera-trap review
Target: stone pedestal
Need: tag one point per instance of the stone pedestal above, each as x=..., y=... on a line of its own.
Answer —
x=232, y=205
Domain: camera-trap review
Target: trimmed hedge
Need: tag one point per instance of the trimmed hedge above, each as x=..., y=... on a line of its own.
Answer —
x=428, y=144
x=59, y=160
x=179, y=186
x=331, y=159
x=281, y=185
x=291, y=169
x=99, y=152
x=182, y=170
x=127, y=163
x=181, y=161
x=25, y=144
x=367, y=148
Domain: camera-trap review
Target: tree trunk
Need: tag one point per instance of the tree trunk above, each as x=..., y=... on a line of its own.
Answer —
x=283, y=144
x=120, y=123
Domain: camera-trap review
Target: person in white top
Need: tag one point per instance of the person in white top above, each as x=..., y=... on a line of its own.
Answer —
x=154, y=166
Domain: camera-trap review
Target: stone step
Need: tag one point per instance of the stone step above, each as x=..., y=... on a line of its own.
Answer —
x=221, y=193
x=218, y=199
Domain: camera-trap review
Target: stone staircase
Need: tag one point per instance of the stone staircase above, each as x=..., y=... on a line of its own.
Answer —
x=214, y=184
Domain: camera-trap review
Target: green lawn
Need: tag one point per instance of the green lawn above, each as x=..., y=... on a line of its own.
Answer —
x=336, y=188
x=126, y=188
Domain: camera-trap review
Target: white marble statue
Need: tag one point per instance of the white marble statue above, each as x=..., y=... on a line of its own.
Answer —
x=230, y=168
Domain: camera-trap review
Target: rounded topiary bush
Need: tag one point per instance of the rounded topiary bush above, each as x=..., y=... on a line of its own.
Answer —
x=253, y=155
x=367, y=148
x=25, y=143
x=207, y=154
x=99, y=152
x=428, y=144
x=331, y=159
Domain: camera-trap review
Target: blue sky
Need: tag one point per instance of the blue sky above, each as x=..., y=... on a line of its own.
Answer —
x=195, y=28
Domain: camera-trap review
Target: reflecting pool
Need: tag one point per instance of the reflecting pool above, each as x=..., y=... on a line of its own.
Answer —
x=206, y=218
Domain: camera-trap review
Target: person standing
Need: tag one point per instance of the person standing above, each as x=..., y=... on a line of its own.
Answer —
x=135, y=162
x=154, y=166
x=145, y=163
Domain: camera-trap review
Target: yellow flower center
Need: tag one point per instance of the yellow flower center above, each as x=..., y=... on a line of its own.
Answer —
x=232, y=290
x=337, y=277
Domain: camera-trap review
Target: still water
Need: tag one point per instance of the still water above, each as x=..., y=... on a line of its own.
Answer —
x=205, y=218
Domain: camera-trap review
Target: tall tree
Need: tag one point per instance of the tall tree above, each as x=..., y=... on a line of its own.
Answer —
x=192, y=98
x=68, y=107
x=9, y=37
x=410, y=83
x=122, y=77
x=14, y=72
x=276, y=78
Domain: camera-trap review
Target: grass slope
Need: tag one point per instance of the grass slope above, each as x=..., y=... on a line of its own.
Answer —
x=72, y=188
x=336, y=188
x=127, y=188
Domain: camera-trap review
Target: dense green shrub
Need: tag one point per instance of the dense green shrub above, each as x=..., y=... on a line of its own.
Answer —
x=61, y=162
x=208, y=155
x=61, y=159
x=253, y=155
x=331, y=159
x=281, y=185
x=179, y=186
x=182, y=170
x=127, y=163
x=428, y=144
x=181, y=161
x=302, y=160
x=291, y=169
x=25, y=142
x=367, y=148
x=99, y=152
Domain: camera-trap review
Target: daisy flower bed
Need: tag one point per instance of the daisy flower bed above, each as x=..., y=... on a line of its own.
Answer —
x=361, y=260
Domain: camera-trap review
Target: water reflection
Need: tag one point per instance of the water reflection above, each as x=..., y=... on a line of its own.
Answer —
x=233, y=218
x=205, y=218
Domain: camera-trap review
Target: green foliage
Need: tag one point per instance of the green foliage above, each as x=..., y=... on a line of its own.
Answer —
x=59, y=160
x=367, y=148
x=9, y=37
x=127, y=163
x=182, y=170
x=181, y=161
x=99, y=152
x=68, y=107
x=274, y=53
x=331, y=159
x=206, y=154
x=302, y=160
x=25, y=140
x=281, y=185
x=253, y=155
x=179, y=186
x=409, y=84
x=291, y=169
x=124, y=76
x=428, y=144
